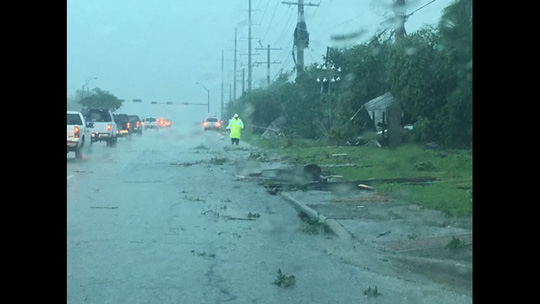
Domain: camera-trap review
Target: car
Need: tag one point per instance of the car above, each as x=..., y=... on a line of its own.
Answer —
x=136, y=125
x=167, y=122
x=77, y=132
x=103, y=127
x=123, y=125
x=163, y=122
x=212, y=123
x=150, y=123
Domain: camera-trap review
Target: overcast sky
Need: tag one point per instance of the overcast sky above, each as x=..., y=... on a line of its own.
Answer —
x=158, y=50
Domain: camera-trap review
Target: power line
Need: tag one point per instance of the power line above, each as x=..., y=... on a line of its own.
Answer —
x=421, y=7
x=271, y=19
x=265, y=9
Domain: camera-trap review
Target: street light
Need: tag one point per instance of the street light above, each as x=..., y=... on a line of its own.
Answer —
x=208, y=94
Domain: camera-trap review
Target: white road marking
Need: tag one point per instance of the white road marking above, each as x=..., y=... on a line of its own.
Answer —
x=70, y=176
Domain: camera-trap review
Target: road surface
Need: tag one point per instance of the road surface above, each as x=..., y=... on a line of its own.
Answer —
x=168, y=217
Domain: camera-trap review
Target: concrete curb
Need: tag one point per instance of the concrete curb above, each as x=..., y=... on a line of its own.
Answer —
x=332, y=224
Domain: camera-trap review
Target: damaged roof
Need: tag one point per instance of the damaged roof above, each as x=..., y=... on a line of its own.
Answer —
x=380, y=103
x=378, y=106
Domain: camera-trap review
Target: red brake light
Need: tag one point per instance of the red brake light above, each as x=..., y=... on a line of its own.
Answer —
x=137, y=124
x=76, y=131
x=109, y=127
x=127, y=125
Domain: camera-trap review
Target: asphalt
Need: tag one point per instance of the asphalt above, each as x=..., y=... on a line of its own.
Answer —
x=420, y=239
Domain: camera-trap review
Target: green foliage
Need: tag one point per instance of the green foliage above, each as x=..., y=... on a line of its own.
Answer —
x=101, y=100
x=455, y=243
x=201, y=147
x=425, y=166
x=372, y=292
x=414, y=74
x=284, y=280
x=313, y=226
x=217, y=160
x=428, y=71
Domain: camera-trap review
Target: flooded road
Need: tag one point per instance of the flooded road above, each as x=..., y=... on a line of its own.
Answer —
x=166, y=218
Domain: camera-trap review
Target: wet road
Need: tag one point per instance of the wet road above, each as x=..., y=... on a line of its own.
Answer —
x=158, y=219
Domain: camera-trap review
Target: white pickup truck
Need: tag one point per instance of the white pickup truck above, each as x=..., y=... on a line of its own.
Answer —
x=103, y=127
x=77, y=133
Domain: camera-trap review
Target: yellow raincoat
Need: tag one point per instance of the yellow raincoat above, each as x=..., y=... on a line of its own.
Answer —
x=235, y=125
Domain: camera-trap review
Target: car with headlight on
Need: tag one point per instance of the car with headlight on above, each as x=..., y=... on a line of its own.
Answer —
x=212, y=123
x=163, y=122
x=150, y=123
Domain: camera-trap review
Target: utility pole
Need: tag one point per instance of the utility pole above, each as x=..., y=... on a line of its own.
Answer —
x=329, y=70
x=268, y=61
x=301, y=35
x=399, y=11
x=222, y=71
x=234, y=76
x=235, y=66
x=243, y=80
x=249, y=47
x=250, y=65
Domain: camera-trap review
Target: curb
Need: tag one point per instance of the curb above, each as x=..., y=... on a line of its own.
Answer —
x=332, y=224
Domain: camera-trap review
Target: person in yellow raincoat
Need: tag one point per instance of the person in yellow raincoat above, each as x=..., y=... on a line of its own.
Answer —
x=235, y=125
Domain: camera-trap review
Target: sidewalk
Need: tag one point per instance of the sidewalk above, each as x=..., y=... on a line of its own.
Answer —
x=356, y=213
x=411, y=237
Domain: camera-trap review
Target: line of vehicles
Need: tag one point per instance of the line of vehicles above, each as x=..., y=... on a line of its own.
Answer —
x=96, y=125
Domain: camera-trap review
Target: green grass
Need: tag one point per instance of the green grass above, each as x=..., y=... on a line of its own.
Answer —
x=451, y=193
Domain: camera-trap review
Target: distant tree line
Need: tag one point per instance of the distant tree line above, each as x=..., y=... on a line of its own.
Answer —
x=96, y=98
x=428, y=71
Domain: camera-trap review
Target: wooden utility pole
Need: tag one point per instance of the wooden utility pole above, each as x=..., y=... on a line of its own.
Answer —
x=235, y=72
x=222, y=71
x=301, y=35
x=399, y=11
x=234, y=76
x=249, y=48
x=268, y=61
x=250, y=65
x=243, y=80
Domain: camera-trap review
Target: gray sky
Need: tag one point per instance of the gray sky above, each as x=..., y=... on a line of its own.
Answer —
x=157, y=50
